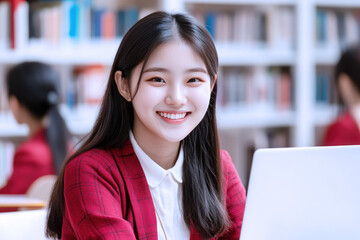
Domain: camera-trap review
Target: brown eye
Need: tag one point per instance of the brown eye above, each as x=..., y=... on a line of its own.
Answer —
x=158, y=80
x=194, y=80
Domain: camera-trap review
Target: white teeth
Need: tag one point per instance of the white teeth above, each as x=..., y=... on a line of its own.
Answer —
x=173, y=116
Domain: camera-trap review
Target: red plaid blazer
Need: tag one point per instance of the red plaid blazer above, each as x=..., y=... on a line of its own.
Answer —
x=107, y=197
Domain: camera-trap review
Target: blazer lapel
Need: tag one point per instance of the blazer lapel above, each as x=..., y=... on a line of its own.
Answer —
x=138, y=190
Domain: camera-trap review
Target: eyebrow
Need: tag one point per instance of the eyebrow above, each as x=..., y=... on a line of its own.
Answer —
x=159, y=69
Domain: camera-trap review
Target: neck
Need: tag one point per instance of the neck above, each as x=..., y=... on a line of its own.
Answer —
x=355, y=104
x=162, y=152
x=34, y=126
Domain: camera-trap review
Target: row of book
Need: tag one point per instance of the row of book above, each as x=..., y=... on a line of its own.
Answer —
x=325, y=89
x=337, y=28
x=56, y=22
x=271, y=87
x=238, y=87
x=271, y=26
x=267, y=88
x=87, y=85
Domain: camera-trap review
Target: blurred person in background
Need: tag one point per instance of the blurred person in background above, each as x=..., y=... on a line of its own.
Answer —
x=345, y=129
x=33, y=95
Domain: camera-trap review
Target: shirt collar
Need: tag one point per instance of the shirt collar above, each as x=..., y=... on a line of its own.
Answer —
x=153, y=172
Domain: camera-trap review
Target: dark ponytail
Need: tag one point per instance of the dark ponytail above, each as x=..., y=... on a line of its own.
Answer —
x=57, y=135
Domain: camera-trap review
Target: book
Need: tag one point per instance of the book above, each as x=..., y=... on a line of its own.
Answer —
x=131, y=17
x=96, y=19
x=74, y=11
x=325, y=86
x=262, y=88
x=88, y=86
x=210, y=23
x=332, y=30
x=263, y=26
x=321, y=26
x=337, y=28
x=352, y=28
x=4, y=25
x=85, y=20
x=108, y=28
x=19, y=31
x=322, y=80
x=283, y=91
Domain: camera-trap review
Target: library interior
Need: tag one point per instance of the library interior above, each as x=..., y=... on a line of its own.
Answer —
x=276, y=83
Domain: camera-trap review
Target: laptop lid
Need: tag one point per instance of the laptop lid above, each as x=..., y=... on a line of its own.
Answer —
x=304, y=194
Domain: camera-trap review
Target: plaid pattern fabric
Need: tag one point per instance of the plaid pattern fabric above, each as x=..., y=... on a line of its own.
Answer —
x=105, y=199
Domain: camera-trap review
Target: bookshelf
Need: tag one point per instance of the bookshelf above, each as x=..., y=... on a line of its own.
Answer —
x=285, y=36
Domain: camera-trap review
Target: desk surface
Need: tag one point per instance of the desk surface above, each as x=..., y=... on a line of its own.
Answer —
x=11, y=200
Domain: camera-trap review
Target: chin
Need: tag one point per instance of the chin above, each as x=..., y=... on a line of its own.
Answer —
x=174, y=139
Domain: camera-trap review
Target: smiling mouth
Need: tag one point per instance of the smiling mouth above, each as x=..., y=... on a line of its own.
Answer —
x=173, y=116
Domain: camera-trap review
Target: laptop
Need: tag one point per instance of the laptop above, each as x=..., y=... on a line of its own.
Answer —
x=304, y=193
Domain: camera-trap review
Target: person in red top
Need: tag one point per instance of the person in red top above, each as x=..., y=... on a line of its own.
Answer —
x=345, y=129
x=32, y=89
x=152, y=168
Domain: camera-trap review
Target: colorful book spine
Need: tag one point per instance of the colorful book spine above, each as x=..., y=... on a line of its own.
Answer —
x=108, y=29
x=96, y=17
x=131, y=17
x=210, y=23
x=19, y=10
x=260, y=87
x=337, y=28
x=74, y=12
x=246, y=26
x=88, y=85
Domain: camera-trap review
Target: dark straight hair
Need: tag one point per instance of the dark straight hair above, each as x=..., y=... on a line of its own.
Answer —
x=349, y=64
x=36, y=86
x=203, y=200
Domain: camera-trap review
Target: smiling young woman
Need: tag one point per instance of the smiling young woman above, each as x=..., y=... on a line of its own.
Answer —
x=151, y=168
x=168, y=88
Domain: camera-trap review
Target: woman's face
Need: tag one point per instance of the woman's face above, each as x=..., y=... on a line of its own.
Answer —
x=348, y=91
x=15, y=108
x=173, y=95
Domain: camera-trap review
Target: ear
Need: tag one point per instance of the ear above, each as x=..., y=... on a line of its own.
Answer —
x=214, y=82
x=122, y=85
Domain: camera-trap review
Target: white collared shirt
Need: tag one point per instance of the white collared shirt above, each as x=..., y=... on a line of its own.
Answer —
x=166, y=191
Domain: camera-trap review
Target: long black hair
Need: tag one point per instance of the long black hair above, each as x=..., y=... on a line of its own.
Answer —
x=36, y=86
x=203, y=201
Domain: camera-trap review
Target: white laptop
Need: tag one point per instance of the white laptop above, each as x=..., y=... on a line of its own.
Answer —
x=308, y=193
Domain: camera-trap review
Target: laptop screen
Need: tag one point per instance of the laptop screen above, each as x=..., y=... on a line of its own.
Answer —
x=304, y=193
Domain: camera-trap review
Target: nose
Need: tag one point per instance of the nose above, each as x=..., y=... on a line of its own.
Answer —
x=176, y=96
